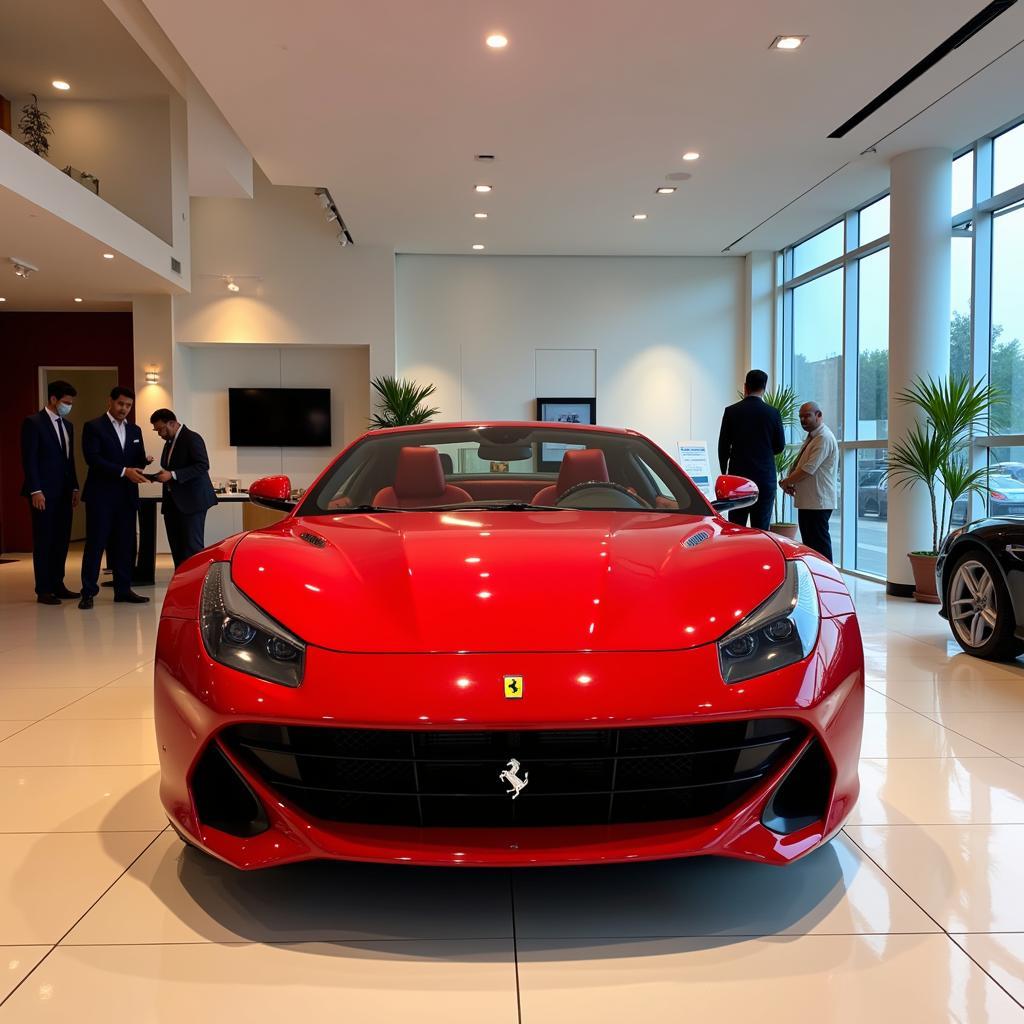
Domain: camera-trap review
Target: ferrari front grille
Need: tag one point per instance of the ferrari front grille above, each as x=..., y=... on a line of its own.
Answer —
x=558, y=776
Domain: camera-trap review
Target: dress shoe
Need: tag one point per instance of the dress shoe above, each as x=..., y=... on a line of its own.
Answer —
x=86, y=602
x=66, y=594
x=47, y=599
x=131, y=598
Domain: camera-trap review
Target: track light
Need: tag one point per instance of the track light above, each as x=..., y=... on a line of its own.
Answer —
x=22, y=268
x=334, y=216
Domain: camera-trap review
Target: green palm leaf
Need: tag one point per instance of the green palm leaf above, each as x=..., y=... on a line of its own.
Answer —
x=401, y=402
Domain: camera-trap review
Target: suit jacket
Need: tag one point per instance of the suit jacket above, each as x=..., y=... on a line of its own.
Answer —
x=191, y=491
x=750, y=438
x=102, y=449
x=46, y=467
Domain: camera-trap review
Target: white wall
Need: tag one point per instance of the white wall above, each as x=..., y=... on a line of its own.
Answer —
x=127, y=145
x=667, y=335
x=298, y=286
x=205, y=372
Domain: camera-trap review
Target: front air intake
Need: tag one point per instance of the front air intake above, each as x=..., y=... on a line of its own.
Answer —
x=223, y=799
x=802, y=797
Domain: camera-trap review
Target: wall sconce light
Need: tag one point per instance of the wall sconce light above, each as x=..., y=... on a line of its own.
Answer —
x=232, y=286
x=153, y=376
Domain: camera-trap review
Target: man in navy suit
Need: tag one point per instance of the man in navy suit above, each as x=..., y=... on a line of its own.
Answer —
x=115, y=453
x=188, y=492
x=750, y=438
x=51, y=485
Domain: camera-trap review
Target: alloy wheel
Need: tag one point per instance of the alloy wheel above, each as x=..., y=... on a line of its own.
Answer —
x=972, y=604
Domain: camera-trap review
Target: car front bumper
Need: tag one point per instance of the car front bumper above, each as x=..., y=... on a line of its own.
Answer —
x=197, y=699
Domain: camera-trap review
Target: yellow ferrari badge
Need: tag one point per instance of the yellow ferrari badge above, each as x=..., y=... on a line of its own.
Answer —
x=513, y=687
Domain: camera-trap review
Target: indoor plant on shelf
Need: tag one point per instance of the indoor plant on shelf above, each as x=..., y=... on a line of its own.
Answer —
x=936, y=453
x=401, y=402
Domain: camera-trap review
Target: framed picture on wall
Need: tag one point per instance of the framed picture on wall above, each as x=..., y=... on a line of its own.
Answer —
x=563, y=410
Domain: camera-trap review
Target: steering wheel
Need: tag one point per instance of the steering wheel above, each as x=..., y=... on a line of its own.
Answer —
x=592, y=485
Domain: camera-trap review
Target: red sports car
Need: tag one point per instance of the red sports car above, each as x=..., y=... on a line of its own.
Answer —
x=444, y=655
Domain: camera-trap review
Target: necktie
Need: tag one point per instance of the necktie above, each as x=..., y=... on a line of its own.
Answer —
x=63, y=438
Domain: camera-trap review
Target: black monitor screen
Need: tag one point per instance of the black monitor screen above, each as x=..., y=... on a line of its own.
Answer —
x=279, y=417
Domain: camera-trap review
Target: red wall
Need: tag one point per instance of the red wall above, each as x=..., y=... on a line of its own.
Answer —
x=31, y=340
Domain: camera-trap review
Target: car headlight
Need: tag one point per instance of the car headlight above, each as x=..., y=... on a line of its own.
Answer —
x=781, y=632
x=242, y=636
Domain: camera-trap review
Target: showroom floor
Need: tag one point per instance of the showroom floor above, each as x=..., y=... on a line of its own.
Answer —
x=915, y=913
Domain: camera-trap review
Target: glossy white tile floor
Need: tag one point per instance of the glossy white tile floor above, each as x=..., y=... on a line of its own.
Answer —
x=915, y=913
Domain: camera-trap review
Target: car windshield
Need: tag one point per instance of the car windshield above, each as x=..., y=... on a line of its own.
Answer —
x=516, y=468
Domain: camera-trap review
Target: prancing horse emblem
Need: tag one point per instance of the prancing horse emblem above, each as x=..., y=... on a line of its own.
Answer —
x=511, y=776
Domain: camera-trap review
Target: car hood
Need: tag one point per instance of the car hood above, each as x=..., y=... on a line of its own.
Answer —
x=507, y=581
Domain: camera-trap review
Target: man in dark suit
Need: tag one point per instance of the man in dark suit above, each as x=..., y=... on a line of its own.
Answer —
x=750, y=438
x=188, y=492
x=51, y=485
x=115, y=453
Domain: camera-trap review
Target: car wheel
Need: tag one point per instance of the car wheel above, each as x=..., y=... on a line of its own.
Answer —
x=979, y=608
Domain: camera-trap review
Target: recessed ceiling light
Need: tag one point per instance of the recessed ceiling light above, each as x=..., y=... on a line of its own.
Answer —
x=639, y=216
x=77, y=299
x=665, y=190
x=692, y=155
x=482, y=188
x=497, y=41
x=478, y=246
x=59, y=83
x=480, y=216
x=108, y=255
x=787, y=42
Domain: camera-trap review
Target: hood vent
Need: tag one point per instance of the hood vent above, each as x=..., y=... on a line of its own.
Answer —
x=970, y=28
x=313, y=538
x=698, y=538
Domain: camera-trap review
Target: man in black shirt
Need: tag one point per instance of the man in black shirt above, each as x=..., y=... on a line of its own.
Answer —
x=750, y=438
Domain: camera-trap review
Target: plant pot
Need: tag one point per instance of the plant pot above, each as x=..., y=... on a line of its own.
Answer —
x=923, y=565
x=784, y=530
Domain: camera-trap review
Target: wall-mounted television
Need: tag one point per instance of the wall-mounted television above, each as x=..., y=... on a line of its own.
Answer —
x=279, y=417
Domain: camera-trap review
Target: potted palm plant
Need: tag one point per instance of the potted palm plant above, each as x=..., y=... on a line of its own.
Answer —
x=400, y=402
x=784, y=399
x=935, y=453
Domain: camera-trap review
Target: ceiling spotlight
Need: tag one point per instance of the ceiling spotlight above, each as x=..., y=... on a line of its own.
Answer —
x=480, y=216
x=482, y=188
x=692, y=155
x=232, y=287
x=497, y=41
x=665, y=190
x=59, y=83
x=22, y=268
x=787, y=42
x=639, y=216
x=478, y=246
x=77, y=299
x=108, y=255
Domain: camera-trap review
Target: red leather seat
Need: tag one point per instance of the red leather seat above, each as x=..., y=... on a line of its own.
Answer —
x=419, y=482
x=578, y=466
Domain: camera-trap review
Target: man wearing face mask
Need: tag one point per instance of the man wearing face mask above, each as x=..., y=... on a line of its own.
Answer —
x=116, y=455
x=51, y=485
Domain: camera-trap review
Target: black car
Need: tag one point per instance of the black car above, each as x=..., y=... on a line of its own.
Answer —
x=980, y=577
x=873, y=494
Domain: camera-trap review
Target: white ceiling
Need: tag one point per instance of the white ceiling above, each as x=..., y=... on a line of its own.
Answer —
x=70, y=263
x=589, y=108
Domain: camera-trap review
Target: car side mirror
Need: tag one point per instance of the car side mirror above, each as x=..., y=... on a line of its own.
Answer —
x=272, y=492
x=732, y=492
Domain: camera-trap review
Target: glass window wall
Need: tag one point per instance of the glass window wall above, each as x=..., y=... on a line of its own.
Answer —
x=824, y=246
x=818, y=345
x=1008, y=160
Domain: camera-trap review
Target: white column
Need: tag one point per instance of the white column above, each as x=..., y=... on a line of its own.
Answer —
x=759, y=319
x=921, y=185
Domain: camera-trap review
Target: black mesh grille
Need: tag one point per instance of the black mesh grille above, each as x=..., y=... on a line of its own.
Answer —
x=575, y=776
